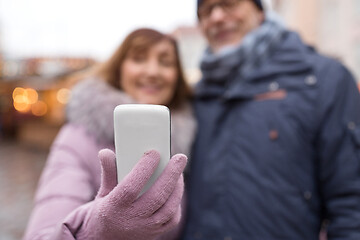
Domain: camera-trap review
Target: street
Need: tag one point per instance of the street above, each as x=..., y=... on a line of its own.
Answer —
x=20, y=169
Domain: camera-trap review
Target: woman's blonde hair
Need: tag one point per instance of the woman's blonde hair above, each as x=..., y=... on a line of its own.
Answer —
x=141, y=40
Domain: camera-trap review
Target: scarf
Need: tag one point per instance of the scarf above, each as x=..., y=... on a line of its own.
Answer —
x=245, y=57
x=92, y=104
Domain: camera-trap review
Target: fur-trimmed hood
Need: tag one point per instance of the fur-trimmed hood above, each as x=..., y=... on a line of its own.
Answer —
x=92, y=104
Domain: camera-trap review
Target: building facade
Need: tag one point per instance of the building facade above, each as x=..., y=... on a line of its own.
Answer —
x=331, y=26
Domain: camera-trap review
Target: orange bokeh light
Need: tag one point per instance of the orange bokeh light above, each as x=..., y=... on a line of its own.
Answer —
x=26, y=99
x=32, y=95
x=39, y=108
x=22, y=106
x=21, y=102
x=18, y=91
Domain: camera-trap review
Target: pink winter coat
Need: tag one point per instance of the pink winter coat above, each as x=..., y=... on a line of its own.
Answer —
x=71, y=177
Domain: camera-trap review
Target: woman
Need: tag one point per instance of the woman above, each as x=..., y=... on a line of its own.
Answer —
x=72, y=202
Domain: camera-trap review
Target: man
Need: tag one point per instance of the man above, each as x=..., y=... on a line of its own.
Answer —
x=278, y=145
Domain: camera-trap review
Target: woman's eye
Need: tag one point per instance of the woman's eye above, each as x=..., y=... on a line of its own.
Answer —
x=167, y=62
x=139, y=58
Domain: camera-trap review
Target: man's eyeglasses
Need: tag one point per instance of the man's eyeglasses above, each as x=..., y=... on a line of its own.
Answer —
x=205, y=9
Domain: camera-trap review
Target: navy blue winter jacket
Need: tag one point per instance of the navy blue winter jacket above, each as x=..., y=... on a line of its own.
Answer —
x=277, y=152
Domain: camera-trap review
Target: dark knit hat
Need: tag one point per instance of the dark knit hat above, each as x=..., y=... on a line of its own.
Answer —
x=257, y=3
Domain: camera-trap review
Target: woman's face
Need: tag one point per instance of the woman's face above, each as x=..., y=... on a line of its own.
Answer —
x=150, y=77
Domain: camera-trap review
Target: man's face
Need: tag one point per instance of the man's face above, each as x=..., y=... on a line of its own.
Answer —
x=226, y=22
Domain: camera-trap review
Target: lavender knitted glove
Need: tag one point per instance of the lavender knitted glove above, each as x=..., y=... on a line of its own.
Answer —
x=118, y=213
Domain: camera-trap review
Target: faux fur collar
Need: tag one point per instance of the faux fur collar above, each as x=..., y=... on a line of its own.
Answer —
x=93, y=101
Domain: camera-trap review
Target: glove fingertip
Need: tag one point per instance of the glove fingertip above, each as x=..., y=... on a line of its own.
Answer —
x=150, y=160
x=107, y=159
x=180, y=159
x=106, y=154
x=153, y=154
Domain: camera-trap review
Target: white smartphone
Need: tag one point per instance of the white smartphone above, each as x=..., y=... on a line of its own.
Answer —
x=139, y=128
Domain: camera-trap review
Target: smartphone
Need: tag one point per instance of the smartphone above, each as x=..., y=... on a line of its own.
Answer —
x=139, y=128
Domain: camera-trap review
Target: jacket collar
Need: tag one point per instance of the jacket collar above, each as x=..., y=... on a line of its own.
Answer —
x=289, y=57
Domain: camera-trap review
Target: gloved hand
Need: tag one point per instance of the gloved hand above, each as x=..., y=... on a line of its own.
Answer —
x=118, y=213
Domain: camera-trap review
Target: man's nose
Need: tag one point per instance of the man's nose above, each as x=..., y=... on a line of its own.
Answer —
x=217, y=14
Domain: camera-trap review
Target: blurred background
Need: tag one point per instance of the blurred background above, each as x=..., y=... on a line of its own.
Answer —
x=46, y=45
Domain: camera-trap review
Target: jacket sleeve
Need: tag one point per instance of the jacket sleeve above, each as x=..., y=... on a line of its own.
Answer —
x=338, y=145
x=66, y=183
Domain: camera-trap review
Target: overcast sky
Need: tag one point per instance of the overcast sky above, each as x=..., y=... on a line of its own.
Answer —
x=91, y=28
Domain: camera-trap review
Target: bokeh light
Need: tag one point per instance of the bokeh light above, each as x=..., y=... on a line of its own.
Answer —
x=32, y=95
x=18, y=91
x=63, y=95
x=26, y=100
x=39, y=108
x=21, y=104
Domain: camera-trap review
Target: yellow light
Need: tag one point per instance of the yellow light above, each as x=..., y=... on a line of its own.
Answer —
x=21, y=99
x=63, y=95
x=22, y=106
x=18, y=91
x=32, y=95
x=21, y=102
x=39, y=108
